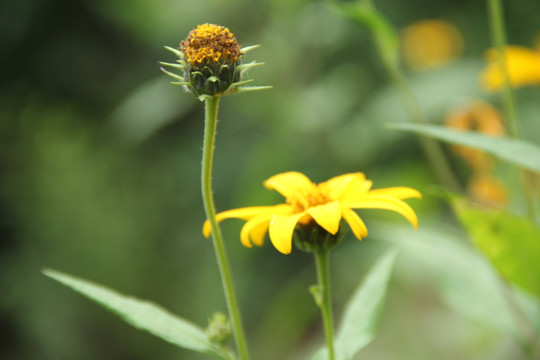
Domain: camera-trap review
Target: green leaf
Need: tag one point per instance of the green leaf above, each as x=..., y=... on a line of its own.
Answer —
x=510, y=242
x=363, y=311
x=439, y=258
x=143, y=315
x=519, y=152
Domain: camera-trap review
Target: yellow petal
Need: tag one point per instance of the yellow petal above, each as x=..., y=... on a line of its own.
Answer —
x=327, y=216
x=254, y=230
x=281, y=231
x=289, y=183
x=397, y=192
x=246, y=214
x=336, y=186
x=388, y=203
x=522, y=65
x=358, y=227
x=356, y=190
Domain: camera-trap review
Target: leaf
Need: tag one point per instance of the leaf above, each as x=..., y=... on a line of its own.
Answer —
x=519, y=152
x=464, y=278
x=510, y=242
x=143, y=315
x=363, y=311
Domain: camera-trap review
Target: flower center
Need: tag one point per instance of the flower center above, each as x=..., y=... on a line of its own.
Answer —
x=210, y=43
x=303, y=200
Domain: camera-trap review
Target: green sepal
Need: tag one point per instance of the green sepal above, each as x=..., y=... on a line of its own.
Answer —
x=245, y=67
x=173, y=75
x=252, y=88
x=176, y=52
x=249, y=48
x=236, y=84
x=180, y=65
x=183, y=83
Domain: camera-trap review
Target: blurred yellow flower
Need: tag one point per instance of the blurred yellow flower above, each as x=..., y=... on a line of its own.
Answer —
x=536, y=41
x=482, y=117
x=522, y=64
x=487, y=190
x=431, y=43
x=323, y=204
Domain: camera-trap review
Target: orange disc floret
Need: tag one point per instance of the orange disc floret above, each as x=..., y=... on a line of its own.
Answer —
x=209, y=43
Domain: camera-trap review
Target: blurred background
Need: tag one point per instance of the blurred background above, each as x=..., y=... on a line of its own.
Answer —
x=100, y=173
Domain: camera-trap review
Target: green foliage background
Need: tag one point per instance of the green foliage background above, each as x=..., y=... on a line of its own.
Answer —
x=100, y=171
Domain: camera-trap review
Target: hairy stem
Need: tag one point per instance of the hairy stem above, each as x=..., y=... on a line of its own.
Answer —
x=210, y=123
x=324, y=299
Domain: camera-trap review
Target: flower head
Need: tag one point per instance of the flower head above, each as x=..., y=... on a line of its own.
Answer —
x=486, y=189
x=482, y=117
x=522, y=65
x=310, y=204
x=210, y=59
x=208, y=45
x=431, y=43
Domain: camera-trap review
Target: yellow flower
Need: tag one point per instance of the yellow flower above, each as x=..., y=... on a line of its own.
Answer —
x=487, y=190
x=431, y=43
x=482, y=117
x=323, y=204
x=522, y=64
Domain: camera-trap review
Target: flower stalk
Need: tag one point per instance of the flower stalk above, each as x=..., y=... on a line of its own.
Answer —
x=387, y=47
x=498, y=33
x=509, y=100
x=210, y=123
x=432, y=149
x=323, y=298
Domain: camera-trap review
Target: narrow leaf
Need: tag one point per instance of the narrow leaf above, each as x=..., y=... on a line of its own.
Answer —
x=519, y=152
x=363, y=311
x=143, y=315
x=510, y=242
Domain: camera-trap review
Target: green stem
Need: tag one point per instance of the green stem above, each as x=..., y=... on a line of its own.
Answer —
x=528, y=339
x=498, y=33
x=431, y=148
x=323, y=298
x=509, y=99
x=210, y=123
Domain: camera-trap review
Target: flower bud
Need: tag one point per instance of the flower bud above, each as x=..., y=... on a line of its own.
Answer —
x=210, y=60
x=219, y=329
x=212, y=55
